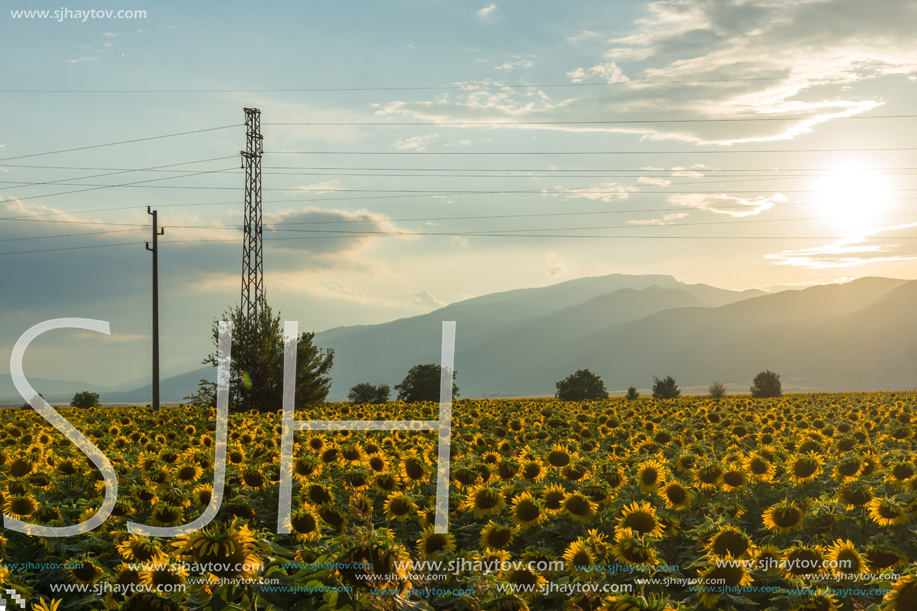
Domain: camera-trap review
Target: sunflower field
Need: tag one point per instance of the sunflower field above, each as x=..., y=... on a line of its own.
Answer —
x=803, y=502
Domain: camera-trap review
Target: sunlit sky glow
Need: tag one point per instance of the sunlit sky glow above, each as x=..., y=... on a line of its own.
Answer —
x=739, y=144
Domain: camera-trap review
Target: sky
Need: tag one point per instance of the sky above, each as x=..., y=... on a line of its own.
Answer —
x=418, y=153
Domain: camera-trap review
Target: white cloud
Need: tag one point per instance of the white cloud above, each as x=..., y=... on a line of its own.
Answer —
x=82, y=59
x=556, y=266
x=721, y=203
x=415, y=143
x=585, y=34
x=518, y=62
x=608, y=72
x=666, y=219
x=424, y=297
x=111, y=34
x=867, y=247
x=318, y=188
x=656, y=182
x=487, y=11
x=606, y=192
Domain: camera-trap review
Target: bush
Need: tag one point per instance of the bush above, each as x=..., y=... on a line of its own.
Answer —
x=85, y=399
x=581, y=386
x=717, y=390
x=422, y=384
x=364, y=392
x=766, y=384
x=665, y=388
x=632, y=393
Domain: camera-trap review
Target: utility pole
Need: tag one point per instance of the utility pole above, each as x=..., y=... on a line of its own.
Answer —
x=252, y=260
x=155, y=250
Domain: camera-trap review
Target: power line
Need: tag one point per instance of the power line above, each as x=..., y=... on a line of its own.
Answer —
x=465, y=86
x=579, y=122
x=67, y=235
x=95, y=146
x=704, y=152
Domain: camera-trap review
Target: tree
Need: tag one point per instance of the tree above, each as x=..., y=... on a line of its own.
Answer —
x=632, y=393
x=28, y=405
x=422, y=384
x=717, y=390
x=256, y=362
x=85, y=399
x=581, y=386
x=364, y=392
x=766, y=384
x=206, y=395
x=665, y=388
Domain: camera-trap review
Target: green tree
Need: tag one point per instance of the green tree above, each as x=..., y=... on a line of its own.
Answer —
x=581, y=386
x=28, y=405
x=766, y=384
x=665, y=388
x=422, y=384
x=256, y=362
x=632, y=393
x=206, y=395
x=364, y=392
x=717, y=390
x=85, y=399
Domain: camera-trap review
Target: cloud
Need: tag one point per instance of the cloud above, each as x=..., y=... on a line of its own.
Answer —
x=487, y=11
x=666, y=219
x=720, y=203
x=518, y=62
x=556, y=266
x=656, y=182
x=867, y=247
x=111, y=34
x=332, y=236
x=606, y=192
x=425, y=298
x=113, y=337
x=608, y=72
x=585, y=34
x=318, y=188
x=82, y=59
x=415, y=143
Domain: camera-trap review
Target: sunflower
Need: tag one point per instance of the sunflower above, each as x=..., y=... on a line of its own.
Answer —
x=578, y=557
x=553, y=499
x=759, y=468
x=804, y=468
x=86, y=571
x=651, y=474
x=228, y=550
x=413, y=470
x=304, y=525
x=675, y=495
x=166, y=515
x=376, y=463
x=631, y=550
x=399, y=507
x=532, y=470
x=903, y=595
x=578, y=506
x=165, y=576
x=641, y=518
x=202, y=494
x=848, y=469
x=145, y=495
x=187, y=474
x=138, y=548
x=783, y=518
x=768, y=558
x=820, y=600
x=252, y=478
x=432, y=544
x=384, y=483
x=318, y=494
x=20, y=506
x=899, y=473
x=803, y=560
x=844, y=559
x=484, y=501
x=733, y=479
x=715, y=576
x=852, y=496
x=525, y=512
x=886, y=512
x=497, y=536
x=882, y=558
x=706, y=477
x=730, y=542
x=559, y=456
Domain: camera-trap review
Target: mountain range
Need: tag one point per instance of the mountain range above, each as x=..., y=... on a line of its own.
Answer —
x=860, y=335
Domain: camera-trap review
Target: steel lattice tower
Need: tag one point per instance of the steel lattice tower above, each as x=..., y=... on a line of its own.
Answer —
x=252, y=253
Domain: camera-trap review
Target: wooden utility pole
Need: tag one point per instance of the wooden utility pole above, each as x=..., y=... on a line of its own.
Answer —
x=155, y=250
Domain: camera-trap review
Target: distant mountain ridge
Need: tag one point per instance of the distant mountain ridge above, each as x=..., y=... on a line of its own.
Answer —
x=626, y=328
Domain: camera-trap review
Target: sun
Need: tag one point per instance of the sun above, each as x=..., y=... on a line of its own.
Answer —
x=852, y=198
